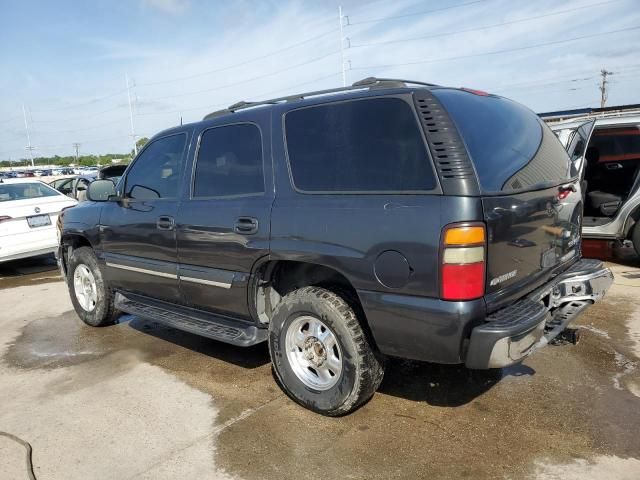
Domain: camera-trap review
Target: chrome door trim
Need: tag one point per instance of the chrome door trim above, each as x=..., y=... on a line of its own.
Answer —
x=142, y=270
x=205, y=282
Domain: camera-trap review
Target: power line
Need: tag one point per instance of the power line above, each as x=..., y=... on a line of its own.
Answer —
x=258, y=96
x=83, y=104
x=117, y=107
x=248, y=80
x=240, y=64
x=475, y=29
x=75, y=130
x=424, y=12
x=497, y=52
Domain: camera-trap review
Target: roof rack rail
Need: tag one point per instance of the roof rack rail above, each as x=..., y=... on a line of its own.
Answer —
x=369, y=82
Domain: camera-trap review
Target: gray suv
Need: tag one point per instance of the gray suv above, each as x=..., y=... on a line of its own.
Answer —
x=389, y=218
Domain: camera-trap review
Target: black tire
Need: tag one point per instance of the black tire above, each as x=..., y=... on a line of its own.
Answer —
x=104, y=312
x=362, y=367
x=635, y=237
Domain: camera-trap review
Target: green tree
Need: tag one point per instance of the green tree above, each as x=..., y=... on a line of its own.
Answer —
x=140, y=143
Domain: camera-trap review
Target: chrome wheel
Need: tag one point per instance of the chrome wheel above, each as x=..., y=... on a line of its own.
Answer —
x=84, y=286
x=313, y=353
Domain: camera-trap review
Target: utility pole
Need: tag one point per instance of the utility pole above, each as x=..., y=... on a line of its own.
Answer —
x=342, y=59
x=77, y=147
x=29, y=147
x=133, y=133
x=604, y=73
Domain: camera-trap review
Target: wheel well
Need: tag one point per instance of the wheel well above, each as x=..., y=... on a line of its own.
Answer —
x=75, y=241
x=632, y=219
x=70, y=243
x=277, y=278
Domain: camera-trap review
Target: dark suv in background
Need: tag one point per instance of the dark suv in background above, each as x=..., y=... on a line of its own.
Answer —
x=390, y=218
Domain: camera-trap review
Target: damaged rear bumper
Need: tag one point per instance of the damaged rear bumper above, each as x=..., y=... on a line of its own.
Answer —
x=513, y=333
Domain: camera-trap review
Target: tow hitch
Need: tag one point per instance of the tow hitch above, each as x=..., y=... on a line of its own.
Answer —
x=568, y=335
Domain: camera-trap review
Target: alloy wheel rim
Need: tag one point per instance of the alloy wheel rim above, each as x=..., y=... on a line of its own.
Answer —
x=313, y=353
x=84, y=285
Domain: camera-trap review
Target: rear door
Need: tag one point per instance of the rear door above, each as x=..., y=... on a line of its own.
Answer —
x=575, y=138
x=531, y=194
x=224, y=221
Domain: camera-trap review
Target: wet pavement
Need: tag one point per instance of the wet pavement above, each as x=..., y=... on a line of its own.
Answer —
x=138, y=400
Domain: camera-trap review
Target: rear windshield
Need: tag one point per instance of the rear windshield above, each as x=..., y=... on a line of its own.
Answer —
x=24, y=191
x=358, y=146
x=511, y=148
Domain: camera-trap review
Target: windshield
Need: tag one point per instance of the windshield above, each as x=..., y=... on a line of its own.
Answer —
x=25, y=191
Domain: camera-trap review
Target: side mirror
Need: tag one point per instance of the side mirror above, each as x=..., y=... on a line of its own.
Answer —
x=101, y=191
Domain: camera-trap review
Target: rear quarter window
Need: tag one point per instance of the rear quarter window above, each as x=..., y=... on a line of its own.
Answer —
x=358, y=146
x=510, y=147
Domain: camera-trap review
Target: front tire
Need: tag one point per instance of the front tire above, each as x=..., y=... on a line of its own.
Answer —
x=320, y=353
x=91, y=297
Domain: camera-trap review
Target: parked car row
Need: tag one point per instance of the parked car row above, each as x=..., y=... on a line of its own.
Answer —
x=48, y=172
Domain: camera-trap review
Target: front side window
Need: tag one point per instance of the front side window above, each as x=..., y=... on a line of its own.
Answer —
x=156, y=172
x=229, y=162
x=360, y=146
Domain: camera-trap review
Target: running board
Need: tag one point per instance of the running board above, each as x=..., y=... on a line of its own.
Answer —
x=223, y=329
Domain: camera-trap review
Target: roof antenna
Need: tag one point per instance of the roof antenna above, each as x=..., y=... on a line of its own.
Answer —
x=180, y=120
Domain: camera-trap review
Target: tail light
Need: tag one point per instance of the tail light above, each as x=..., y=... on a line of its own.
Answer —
x=4, y=217
x=463, y=252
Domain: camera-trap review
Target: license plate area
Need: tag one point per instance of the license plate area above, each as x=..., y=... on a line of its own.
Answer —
x=39, y=220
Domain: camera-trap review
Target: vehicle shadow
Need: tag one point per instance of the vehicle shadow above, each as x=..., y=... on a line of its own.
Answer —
x=249, y=357
x=437, y=385
x=27, y=266
x=442, y=385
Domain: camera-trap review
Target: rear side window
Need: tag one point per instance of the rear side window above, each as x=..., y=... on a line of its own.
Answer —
x=372, y=145
x=511, y=148
x=229, y=162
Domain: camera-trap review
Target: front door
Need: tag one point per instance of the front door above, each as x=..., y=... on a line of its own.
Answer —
x=138, y=234
x=224, y=223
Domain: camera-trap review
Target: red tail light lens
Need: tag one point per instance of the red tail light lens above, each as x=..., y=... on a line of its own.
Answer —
x=4, y=217
x=462, y=272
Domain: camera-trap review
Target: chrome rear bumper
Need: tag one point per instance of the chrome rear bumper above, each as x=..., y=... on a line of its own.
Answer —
x=513, y=333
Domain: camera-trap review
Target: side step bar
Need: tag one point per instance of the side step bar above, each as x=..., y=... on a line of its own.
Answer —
x=223, y=329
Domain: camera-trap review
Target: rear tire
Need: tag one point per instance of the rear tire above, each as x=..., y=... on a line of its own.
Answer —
x=635, y=237
x=91, y=297
x=320, y=353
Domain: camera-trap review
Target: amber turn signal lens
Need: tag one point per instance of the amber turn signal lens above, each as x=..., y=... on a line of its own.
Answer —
x=464, y=235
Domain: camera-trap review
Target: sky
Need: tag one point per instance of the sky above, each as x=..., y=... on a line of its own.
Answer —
x=67, y=61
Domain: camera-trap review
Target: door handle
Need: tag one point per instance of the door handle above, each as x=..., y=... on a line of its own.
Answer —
x=165, y=222
x=246, y=225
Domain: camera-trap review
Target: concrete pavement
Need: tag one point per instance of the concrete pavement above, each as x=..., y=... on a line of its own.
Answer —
x=138, y=400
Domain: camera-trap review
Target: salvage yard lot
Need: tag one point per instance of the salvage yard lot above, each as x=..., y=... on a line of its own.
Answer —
x=139, y=400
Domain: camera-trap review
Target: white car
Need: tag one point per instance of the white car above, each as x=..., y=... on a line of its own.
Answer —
x=29, y=210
